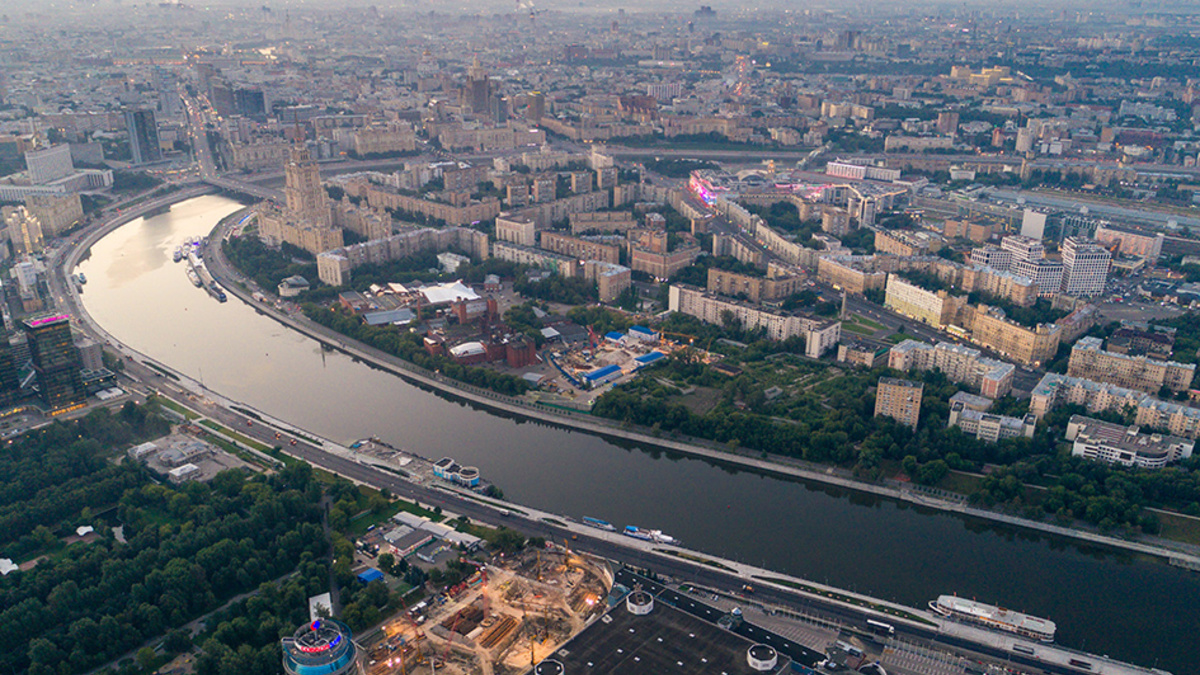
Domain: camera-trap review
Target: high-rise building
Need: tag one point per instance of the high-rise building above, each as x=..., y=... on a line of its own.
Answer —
x=56, y=361
x=537, y=107
x=250, y=103
x=143, y=136
x=24, y=230
x=1085, y=267
x=306, y=199
x=1022, y=248
x=10, y=383
x=899, y=400
x=947, y=123
x=479, y=88
x=49, y=165
x=324, y=646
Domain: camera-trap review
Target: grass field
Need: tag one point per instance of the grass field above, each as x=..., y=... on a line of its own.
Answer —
x=1179, y=527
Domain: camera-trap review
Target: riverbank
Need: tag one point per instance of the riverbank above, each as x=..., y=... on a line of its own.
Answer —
x=1177, y=553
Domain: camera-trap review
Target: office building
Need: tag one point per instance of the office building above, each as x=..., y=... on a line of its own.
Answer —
x=1124, y=446
x=1085, y=267
x=988, y=427
x=322, y=647
x=49, y=165
x=10, y=383
x=143, y=136
x=1089, y=360
x=1046, y=274
x=995, y=257
x=899, y=400
x=56, y=361
x=1022, y=248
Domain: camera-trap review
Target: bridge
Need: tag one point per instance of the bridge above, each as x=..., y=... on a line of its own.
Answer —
x=251, y=189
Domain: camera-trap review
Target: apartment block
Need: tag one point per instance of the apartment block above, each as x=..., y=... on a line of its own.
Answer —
x=335, y=267
x=1089, y=360
x=516, y=229
x=862, y=354
x=904, y=243
x=850, y=274
x=602, y=221
x=582, y=249
x=936, y=308
x=662, y=265
x=820, y=335
x=965, y=229
x=528, y=255
x=1030, y=346
x=754, y=289
x=989, y=377
x=611, y=280
x=899, y=400
x=1148, y=246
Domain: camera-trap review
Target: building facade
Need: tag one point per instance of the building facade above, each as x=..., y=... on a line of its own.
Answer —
x=1085, y=267
x=989, y=377
x=820, y=335
x=1089, y=360
x=56, y=362
x=899, y=400
x=1124, y=446
x=988, y=427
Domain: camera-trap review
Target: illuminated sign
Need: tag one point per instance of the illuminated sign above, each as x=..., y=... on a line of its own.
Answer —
x=48, y=319
x=320, y=648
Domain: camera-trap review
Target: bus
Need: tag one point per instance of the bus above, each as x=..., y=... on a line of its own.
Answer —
x=880, y=628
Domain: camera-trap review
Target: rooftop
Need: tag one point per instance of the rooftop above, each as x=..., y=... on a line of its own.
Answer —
x=663, y=642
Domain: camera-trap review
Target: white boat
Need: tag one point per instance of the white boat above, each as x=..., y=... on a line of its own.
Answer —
x=996, y=618
x=663, y=538
x=637, y=533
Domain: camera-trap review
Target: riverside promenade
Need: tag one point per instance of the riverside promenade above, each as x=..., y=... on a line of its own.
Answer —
x=1180, y=554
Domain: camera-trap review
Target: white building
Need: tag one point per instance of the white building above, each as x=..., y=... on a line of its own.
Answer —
x=1116, y=444
x=988, y=427
x=1085, y=267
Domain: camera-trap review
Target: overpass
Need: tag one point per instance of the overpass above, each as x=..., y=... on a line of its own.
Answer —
x=251, y=189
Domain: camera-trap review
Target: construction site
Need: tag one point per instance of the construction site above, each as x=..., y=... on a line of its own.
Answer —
x=511, y=614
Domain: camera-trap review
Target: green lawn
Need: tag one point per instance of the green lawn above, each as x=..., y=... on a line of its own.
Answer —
x=897, y=338
x=857, y=329
x=859, y=318
x=360, y=522
x=168, y=403
x=1179, y=528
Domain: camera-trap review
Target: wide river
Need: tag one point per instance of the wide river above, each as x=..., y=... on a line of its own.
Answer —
x=1104, y=602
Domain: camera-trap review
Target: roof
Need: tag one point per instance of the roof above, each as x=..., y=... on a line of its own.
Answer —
x=666, y=641
x=614, y=335
x=296, y=281
x=370, y=574
x=449, y=292
x=602, y=372
x=641, y=329
x=387, y=316
x=468, y=349
x=649, y=358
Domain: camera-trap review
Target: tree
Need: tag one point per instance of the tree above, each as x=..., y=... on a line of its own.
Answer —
x=146, y=659
x=387, y=563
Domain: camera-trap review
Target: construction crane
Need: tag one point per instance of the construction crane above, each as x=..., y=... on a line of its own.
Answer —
x=449, y=643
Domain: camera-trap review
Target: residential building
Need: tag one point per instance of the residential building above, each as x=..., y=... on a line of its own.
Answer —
x=334, y=267
x=582, y=249
x=988, y=427
x=306, y=220
x=936, y=308
x=1030, y=346
x=899, y=400
x=611, y=280
x=1089, y=360
x=1125, y=446
x=820, y=335
x=862, y=354
x=24, y=230
x=850, y=274
x=516, y=229
x=989, y=377
x=57, y=213
x=1147, y=246
x=527, y=255
x=992, y=256
x=965, y=229
x=904, y=243
x=752, y=288
x=1142, y=340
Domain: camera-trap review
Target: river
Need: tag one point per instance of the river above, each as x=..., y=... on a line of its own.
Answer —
x=1105, y=602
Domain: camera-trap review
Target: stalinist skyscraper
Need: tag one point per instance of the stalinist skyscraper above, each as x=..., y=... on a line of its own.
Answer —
x=305, y=220
x=306, y=199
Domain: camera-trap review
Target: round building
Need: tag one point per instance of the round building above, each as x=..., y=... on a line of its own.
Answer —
x=323, y=647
